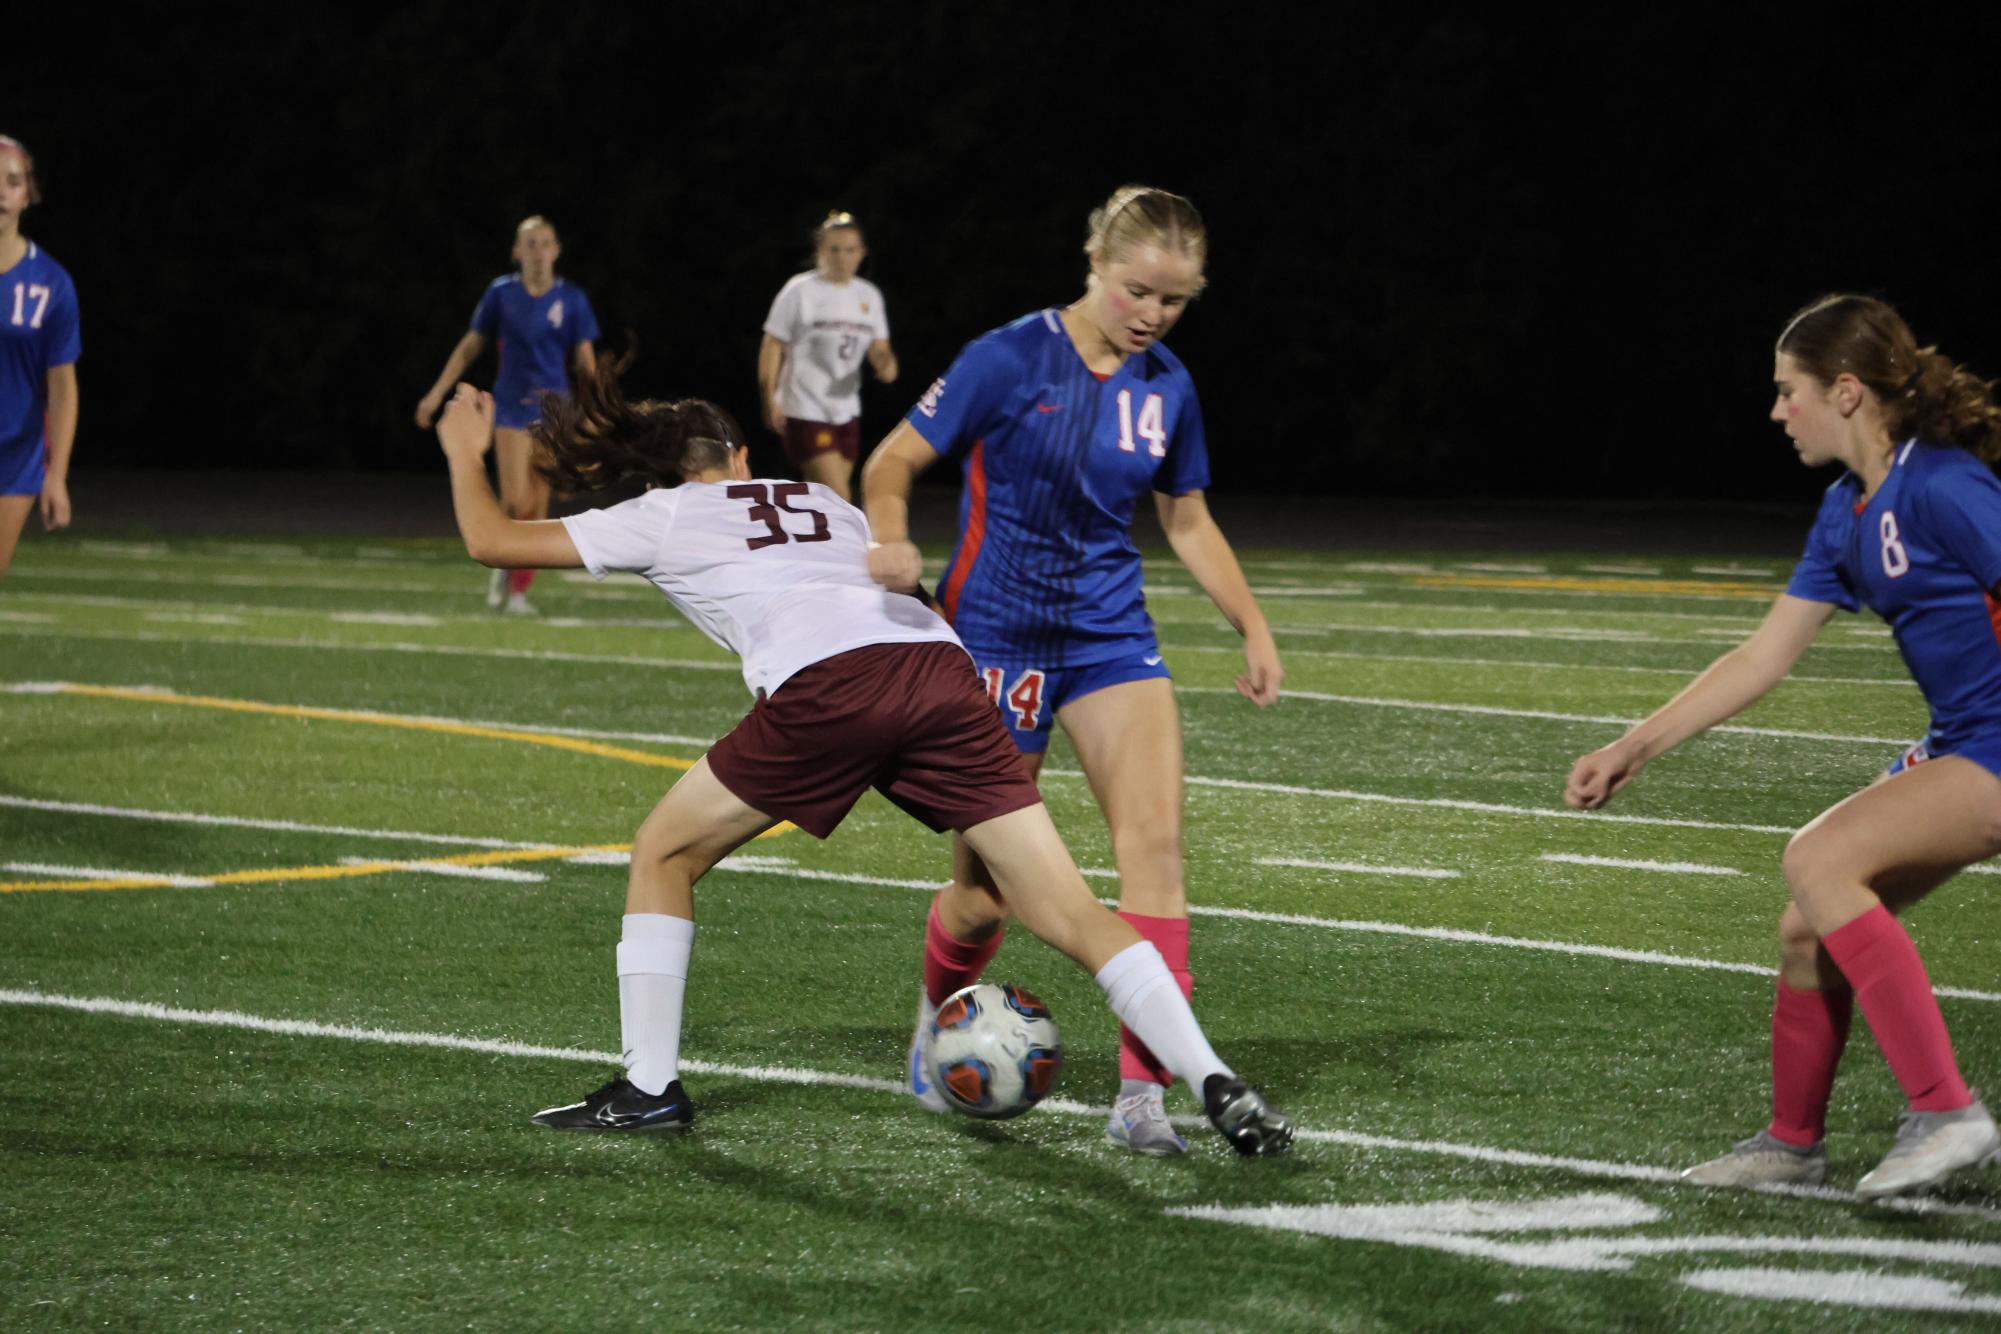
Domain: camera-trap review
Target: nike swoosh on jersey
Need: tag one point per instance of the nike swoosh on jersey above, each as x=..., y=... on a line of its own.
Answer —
x=1049, y=407
x=1151, y=660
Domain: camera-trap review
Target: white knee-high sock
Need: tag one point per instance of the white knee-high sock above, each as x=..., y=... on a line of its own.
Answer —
x=1146, y=998
x=652, y=979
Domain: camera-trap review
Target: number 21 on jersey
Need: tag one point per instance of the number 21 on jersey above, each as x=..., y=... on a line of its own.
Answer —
x=1024, y=697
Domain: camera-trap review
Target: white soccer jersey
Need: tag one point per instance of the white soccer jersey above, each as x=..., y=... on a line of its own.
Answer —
x=827, y=328
x=775, y=572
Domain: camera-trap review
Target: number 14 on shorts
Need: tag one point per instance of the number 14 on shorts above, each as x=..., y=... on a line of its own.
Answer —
x=1024, y=696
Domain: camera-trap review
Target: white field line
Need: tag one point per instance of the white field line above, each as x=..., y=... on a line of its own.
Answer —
x=1644, y=571
x=1362, y=868
x=778, y=867
x=103, y=873
x=1675, y=868
x=383, y=618
x=362, y=646
x=212, y=580
x=1736, y=571
x=506, y=873
x=242, y=822
x=1501, y=567
x=667, y=620
x=1579, y=634
x=1748, y=620
x=1496, y=711
x=28, y=617
x=124, y=550
x=1432, y=659
x=194, y=618
x=1481, y=1153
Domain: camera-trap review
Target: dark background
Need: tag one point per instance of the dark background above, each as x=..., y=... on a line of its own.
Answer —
x=1473, y=255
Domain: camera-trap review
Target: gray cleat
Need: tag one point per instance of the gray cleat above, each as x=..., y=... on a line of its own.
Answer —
x=1930, y=1147
x=1762, y=1160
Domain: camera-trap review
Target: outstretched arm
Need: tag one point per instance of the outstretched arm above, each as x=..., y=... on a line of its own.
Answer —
x=491, y=537
x=893, y=561
x=467, y=351
x=1200, y=544
x=1731, y=684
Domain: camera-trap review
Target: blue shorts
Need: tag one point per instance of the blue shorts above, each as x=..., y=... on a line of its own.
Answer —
x=22, y=473
x=1984, y=750
x=1028, y=696
x=517, y=414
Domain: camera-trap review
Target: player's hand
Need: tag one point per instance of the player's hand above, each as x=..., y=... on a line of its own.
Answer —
x=1262, y=672
x=897, y=566
x=774, y=417
x=54, y=504
x=427, y=408
x=466, y=429
x=1596, y=777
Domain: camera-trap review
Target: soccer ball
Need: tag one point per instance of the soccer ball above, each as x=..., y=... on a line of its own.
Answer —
x=994, y=1050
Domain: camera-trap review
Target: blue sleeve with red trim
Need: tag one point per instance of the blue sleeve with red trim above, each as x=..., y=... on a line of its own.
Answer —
x=1962, y=511
x=1818, y=577
x=1186, y=467
x=963, y=403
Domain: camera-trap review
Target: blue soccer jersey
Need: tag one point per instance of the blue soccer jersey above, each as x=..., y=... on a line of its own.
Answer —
x=1054, y=461
x=1924, y=554
x=38, y=332
x=536, y=335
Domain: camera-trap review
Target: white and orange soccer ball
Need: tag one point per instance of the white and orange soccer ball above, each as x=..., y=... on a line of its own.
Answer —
x=994, y=1050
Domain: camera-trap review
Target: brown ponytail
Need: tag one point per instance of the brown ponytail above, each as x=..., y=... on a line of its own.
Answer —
x=597, y=439
x=1923, y=392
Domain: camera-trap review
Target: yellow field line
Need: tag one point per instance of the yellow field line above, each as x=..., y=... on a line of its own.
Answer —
x=377, y=719
x=1559, y=583
x=273, y=874
x=342, y=872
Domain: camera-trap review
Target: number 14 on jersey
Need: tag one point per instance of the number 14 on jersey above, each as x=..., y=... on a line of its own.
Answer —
x=1152, y=427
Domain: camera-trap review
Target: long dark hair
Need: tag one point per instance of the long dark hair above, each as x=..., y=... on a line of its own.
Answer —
x=597, y=439
x=1924, y=394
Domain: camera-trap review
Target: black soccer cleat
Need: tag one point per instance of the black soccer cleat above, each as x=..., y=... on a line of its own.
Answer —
x=1253, y=1126
x=620, y=1105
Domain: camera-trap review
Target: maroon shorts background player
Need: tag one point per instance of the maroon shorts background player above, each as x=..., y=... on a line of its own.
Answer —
x=804, y=440
x=909, y=720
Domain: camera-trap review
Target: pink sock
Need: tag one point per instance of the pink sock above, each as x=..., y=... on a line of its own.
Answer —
x=1881, y=963
x=518, y=580
x=950, y=964
x=1809, y=1029
x=1169, y=935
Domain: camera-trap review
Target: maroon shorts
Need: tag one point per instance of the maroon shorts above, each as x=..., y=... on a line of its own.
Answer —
x=909, y=720
x=804, y=439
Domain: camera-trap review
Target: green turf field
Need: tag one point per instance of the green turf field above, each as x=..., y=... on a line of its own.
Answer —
x=312, y=882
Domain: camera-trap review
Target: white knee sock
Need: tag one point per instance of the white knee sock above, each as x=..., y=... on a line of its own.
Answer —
x=1146, y=998
x=652, y=978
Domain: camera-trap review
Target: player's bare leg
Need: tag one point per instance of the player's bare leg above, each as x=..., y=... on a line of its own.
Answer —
x=1041, y=882
x=1128, y=738
x=524, y=494
x=14, y=512
x=1896, y=839
x=696, y=825
x=962, y=932
x=830, y=468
